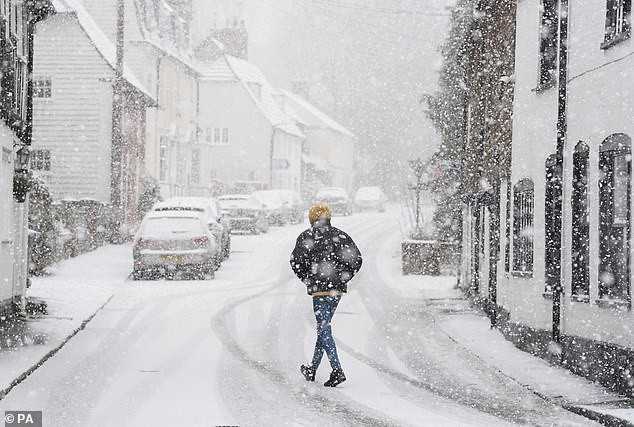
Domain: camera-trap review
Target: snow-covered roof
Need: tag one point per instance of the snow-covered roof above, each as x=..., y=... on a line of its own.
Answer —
x=101, y=42
x=227, y=68
x=322, y=120
x=217, y=71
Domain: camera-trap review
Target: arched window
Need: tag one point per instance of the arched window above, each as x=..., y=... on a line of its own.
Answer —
x=614, y=218
x=523, y=215
x=580, y=224
x=552, y=223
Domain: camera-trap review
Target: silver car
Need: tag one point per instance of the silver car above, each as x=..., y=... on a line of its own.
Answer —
x=174, y=241
x=245, y=213
x=210, y=214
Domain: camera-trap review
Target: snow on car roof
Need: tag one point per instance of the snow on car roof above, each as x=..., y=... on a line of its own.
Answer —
x=173, y=214
x=234, y=197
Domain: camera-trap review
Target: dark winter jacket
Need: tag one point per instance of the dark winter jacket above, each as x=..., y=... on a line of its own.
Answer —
x=325, y=258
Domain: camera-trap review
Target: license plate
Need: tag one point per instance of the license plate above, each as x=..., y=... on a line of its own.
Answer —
x=173, y=258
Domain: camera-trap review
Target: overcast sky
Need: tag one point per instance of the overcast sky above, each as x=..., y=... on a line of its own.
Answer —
x=368, y=64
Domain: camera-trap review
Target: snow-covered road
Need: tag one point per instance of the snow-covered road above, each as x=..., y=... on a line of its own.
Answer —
x=227, y=351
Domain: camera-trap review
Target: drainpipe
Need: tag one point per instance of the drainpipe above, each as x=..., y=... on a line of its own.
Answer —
x=562, y=130
x=271, y=156
x=117, y=122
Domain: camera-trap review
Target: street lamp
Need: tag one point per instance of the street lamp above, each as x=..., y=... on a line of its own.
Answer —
x=21, y=181
x=23, y=156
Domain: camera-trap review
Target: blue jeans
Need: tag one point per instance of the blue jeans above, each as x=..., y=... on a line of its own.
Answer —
x=324, y=308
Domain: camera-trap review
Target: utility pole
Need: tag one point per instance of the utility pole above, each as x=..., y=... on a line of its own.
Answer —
x=117, y=119
x=562, y=133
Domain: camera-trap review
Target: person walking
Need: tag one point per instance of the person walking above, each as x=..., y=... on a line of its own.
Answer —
x=325, y=259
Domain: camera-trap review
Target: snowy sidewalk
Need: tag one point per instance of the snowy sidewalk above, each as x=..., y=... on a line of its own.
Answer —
x=471, y=329
x=75, y=291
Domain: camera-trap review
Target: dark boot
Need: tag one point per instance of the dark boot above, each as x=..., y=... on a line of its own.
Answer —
x=308, y=372
x=336, y=377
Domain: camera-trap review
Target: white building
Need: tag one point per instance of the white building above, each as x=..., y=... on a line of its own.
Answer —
x=596, y=322
x=328, y=154
x=74, y=73
x=18, y=19
x=247, y=141
x=158, y=50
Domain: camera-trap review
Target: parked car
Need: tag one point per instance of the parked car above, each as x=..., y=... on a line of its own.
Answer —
x=370, y=198
x=210, y=213
x=172, y=241
x=295, y=208
x=337, y=198
x=274, y=204
x=226, y=226
x=245, y=213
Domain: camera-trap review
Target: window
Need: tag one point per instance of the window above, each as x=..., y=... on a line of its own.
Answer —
x=195, y=171
x=216, y=135
x=41, y=160
x=225, y=135
x=580, y=223
x=548, y=44
x=180, y=165
x=617, y=21
x=208, y=135
x=552, y=222
x=221, y=136
x=523, y=202
x=507, y=234
x=42, y=87
x=614, y=218
x=163, y=160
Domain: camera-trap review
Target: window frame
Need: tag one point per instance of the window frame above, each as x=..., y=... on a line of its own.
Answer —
x=580, y=239
x=163, y=159
x=42, y=87
x=617, y=14
x=195, y=166
x=549, y=22
x=613, y=147
x=41, y=160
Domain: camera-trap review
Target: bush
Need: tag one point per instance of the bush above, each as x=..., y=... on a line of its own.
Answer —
x=41, y=221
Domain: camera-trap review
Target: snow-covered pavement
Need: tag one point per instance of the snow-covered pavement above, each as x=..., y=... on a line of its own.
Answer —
x=227, y=351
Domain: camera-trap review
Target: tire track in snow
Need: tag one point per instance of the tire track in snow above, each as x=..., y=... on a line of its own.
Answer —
x=353, y=413
x=435, y=377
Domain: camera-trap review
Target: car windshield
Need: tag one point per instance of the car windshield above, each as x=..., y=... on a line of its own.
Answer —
x=171, y=227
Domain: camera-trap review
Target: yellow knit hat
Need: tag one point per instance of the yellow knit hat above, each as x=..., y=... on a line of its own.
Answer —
x=318, y=211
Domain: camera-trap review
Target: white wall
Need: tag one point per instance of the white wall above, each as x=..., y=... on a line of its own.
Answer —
x=288, y=147
x=600, y=91
x=229, y=105
x=6, y=212
x=75, y=122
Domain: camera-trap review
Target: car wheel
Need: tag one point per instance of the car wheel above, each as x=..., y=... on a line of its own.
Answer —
x=137, y=274
x=226, y=250
x=207, y=271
